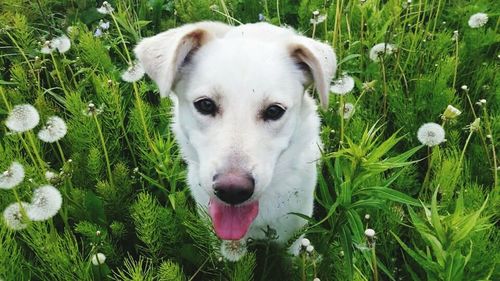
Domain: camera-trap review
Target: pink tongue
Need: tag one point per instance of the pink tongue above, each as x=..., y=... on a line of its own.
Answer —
x=232, y=222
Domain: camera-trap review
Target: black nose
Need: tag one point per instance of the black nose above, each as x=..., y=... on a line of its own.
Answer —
x=233, y=188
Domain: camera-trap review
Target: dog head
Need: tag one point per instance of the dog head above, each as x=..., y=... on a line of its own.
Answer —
x=239, y=99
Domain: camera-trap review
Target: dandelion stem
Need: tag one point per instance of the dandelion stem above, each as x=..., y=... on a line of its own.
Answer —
x=385, y=86
x=35, y=150
x=278, y=11
x=58, y=74
x=430, y=156
x=60, y=151
x=21, y=51
x=374, y=263
x=488, y=127
x=456, y=62
x=341, y=120
x=103, y=143
x=463, y=151
x=199, y=269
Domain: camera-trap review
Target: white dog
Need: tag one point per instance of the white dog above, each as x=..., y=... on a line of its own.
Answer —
x=246, y=127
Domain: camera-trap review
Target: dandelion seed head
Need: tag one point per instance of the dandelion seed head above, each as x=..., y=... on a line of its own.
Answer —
x=98, y=259
x=369, y=233
x=22, y=118
x=316, y=279
x=50, y=176
x=474, y=126
x=214, y=7
x=318, y=19
x=13, y=216
x=45, y=204
x=380, y=50
x=13, y=176
x=54, y=130
x=483, y=101
x=105, y=8
x=464, y=87
x=92, y=109
x=347, y=111
x=305, y=242
x=47, y=48
x=315, y=13
x=367, y=216
x=62, y=43
x=310, y=249
x=233, y=250
x=343, y=85
x=431, y=134
x=133, y=73
x=478, y=20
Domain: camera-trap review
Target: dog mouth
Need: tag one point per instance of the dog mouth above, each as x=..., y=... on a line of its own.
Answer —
x=231, y=222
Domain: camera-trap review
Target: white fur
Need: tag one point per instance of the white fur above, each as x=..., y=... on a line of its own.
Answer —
x=245, y=69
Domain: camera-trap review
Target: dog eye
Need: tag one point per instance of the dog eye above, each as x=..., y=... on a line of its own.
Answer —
x=206, y=106
x=273, y=112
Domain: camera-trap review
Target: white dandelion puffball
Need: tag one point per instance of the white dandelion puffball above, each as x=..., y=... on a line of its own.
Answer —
x=45, y=204
x=310, y=248
x=381, y=49
x=13, y=176
x=50, y=176
x=431, y=134
x=47, y=48
x=347, y=111
x=305, y=242
x=318, y=19
x=104, y=25
x=98, y=33
x=343, y=85
x=106, y=8
x=478, y=20
x=22, y=118
x=370, y=233
x=98, y=259
x=13, y=216
x=62, y=43
x=133, y=73
x=54, y=130
x=233, y=250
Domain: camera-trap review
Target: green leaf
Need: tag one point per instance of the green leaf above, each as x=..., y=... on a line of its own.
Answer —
x=388, y=194
x=435, y=220
x=346, y=243
x=423, y=261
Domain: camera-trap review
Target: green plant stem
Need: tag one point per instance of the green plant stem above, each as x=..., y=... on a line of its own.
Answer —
x=136, y=90
x=341, y=142
x=425, y=184
x=385, y=87
x=374, y=264
x=463, y=150
x=58, y=73
x=103, y=143
x=60, y=151
x=35, y=151
x=278, y=11
x=21, y=51
x=455, y=73
x=199, y=269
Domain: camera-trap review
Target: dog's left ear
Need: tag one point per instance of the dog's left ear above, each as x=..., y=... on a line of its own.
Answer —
x=162, y=55
x=320, y=60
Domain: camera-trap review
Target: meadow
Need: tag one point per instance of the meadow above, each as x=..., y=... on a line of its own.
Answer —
x=92, y=185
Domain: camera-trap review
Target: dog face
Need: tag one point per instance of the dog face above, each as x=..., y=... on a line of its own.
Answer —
x=239, y=97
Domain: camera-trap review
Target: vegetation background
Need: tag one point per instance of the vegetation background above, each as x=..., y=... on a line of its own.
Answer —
x=434, y=210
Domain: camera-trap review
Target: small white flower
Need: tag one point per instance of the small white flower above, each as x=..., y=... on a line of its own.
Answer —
x=106, y=8
x=13, y=216
x=451, y=112
x=343, y=85
x=369, y=233
x=316, y=279
x=47, y=48
x=54, y=130
x=98, y=259
x=13, y=176
x=478, y=20
x=49, y=176
x=104, y=25
x=22, y=118
x=316, y=13
x=381, y=49
x=305, y=242
x=347, y=111
x=133, y=73
x=431, y=134
x=455, y=35
x=341, y=253
x=367, y=216
x=98, y=33
x=45, y=204
x=465, y=87
x=92, y=110
x=489, y=136
x=61, y=43
x=483, y=101
x=310, y=248
x=233, y=250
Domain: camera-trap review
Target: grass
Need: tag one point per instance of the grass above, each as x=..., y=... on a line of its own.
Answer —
x=434, y=209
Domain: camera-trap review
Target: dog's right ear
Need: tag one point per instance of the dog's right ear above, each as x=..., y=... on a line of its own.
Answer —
x=162, y=55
